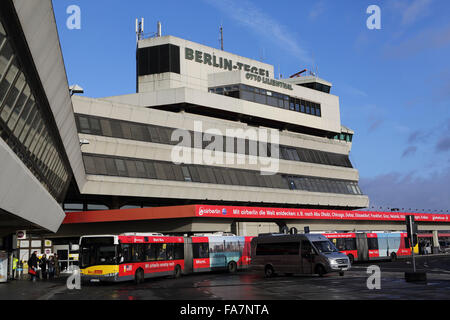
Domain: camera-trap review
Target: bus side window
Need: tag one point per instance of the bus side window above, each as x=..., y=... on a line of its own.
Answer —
x=340, y=244
x=200, y=250
x=178, y=251
x=162, y=252
x=169, y=251
x=126, y=252
x=350, y=244
x=148, y=252
x=153, y=252
x=138, y=252
x=372, y=243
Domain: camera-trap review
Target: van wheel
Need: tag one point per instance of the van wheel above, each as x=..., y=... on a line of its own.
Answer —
x=177, y=271
x=139, y=276
x=351, y=258
x=232, y=267
x=320, y=270
x=268, y=271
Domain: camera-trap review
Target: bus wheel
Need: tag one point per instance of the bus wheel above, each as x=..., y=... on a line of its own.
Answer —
x=351, y=258
x=139, y=276
x=320, y=270
x=232, y=267
x=393, y=257
x=177, y=271
x=269, y=271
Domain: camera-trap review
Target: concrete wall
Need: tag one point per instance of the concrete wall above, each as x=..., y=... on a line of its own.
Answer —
x=22, y=195
x=39, y=26
x=192, y=74
x=171, y=189
x=128, y=108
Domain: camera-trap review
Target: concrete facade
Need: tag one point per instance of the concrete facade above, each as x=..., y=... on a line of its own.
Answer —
x=24, y=202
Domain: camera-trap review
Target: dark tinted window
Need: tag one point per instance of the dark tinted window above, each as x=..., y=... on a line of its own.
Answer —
x=282, y=248
x=158, y=59
x=200, y=250
x=372, y=243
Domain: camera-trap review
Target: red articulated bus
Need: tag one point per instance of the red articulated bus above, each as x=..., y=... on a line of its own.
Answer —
x=137, y=256
x=365, y=246
x=218, y=252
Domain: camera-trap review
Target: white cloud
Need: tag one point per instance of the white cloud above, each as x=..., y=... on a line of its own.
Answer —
x=395, y=190
x=250, y=16
x=416, y=10
x=317, y=10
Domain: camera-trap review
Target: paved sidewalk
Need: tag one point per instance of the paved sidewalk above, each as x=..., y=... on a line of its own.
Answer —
x=27, y=290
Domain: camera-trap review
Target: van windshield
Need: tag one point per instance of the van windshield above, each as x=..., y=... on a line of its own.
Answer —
x=325, y=246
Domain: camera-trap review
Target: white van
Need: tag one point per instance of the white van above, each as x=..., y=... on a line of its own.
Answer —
x=297, y=254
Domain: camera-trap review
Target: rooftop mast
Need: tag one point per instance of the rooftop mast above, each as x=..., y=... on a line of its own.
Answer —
x=221, y=38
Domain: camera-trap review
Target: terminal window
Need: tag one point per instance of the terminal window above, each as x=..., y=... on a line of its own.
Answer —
x=158, y=59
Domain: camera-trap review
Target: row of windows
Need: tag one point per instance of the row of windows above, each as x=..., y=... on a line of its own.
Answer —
x=269, y=98
x=23, y=125
x=315, y=156
x=157, y=134
x=344, y=137
x=323, y=185
x=343, y=244
x=161, y=170
x=317, y=86
x=283, y=248
x=373, y=243
x=146, y=252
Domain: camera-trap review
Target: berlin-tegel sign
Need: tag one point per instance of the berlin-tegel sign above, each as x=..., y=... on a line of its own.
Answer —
x=286, y=213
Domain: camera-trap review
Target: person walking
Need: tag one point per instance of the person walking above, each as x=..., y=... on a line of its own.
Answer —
x=57, y=267
x=51, y=267
x=14, y=267
x=43, y=266
x=32, y=266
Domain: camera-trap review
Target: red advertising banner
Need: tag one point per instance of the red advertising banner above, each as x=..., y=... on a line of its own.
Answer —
x=287, y=213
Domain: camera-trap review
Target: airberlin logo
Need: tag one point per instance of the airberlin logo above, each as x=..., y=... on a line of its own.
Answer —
x=203, y=211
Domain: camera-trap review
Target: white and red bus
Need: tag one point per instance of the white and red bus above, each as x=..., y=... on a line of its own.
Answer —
x=137, y=256
x=365, y=246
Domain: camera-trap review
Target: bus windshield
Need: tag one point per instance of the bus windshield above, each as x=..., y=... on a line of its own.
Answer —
x=325, y=246
x=97, y=251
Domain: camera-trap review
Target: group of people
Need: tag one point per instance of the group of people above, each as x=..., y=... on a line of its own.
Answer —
x=425, y=247
x=49, y=268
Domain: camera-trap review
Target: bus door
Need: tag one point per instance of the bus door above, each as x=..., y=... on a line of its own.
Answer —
x=188, y=259
x=361, y=246
x=383, y=245
x=307, y=257
x=393, y=241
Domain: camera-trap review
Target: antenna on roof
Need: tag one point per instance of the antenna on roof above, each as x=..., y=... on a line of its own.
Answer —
x=158, y=29
x=139, y=29
x=221, y=37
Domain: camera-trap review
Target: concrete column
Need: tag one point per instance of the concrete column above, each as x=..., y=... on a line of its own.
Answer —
x=435, y=242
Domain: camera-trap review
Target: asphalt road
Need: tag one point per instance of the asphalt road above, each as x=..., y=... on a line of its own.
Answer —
x=248, y=285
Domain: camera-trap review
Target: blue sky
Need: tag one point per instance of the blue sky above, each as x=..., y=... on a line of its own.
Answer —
x=393, y=83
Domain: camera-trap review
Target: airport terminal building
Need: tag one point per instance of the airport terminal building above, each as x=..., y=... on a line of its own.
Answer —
x=210, y=142
x=205, y=127
x=189, y=97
